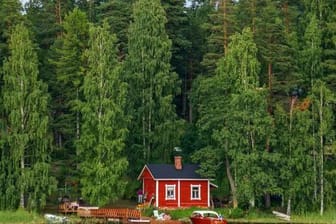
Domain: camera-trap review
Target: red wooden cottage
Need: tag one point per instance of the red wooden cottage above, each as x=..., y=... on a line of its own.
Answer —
x=174, y=185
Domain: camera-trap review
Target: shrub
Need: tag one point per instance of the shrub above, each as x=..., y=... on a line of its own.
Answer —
x=236, y=213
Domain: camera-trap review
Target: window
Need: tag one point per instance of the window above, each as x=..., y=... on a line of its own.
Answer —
x=195, y=192
x=170, y=192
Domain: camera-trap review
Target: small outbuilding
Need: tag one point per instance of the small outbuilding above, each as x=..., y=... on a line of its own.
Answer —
x=175, y=185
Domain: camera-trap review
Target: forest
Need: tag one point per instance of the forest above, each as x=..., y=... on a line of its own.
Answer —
x=92, y=90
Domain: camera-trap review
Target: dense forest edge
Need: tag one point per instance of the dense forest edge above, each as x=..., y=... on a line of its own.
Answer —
x=92, y=90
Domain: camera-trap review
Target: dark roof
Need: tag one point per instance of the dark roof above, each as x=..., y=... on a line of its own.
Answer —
x=168, y=171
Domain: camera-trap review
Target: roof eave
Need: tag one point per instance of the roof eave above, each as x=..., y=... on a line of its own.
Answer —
x=143, y=169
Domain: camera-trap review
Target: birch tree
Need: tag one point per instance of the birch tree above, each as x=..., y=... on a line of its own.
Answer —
x=25, y=102
x=323, y=100
x=102, y=143
x=152, y=85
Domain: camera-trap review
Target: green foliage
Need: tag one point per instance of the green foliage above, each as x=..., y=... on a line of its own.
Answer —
x=220, y=26
x=68, y=62
x=104, y=129
x=155, y=128
x=311, y=55
x=118, y=14
x=9, y=17
x=209, y=161
x=294, y=146
x=273, y=142
x=26, y=108
x=236, y=213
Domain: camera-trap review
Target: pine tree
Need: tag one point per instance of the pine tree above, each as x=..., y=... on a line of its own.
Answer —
x=26, y=105
x=90, y=8
x=221, y=26
x=277, y=50
x=152, y=85
x=118, y=14
x=104, y=129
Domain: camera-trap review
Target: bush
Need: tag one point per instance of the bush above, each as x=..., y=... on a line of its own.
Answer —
x=236, y=213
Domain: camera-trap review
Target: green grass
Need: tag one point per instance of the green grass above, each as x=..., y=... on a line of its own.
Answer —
x=329, y=216
x=20, y=216
x=256, y=216
x=253, y=216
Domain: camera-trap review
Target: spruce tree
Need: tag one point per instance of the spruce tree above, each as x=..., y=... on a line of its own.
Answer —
x=25, y=101
x=177, y=27
x=152, y=86
x=104, y=129
x=10, y=15
x=68, y=62
x=196, y=34
x=45, y=32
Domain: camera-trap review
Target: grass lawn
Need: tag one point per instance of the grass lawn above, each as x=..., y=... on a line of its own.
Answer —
x=20, y=216
x=255, y=216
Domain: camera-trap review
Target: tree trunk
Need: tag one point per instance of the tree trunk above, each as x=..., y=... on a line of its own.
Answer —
x=270, y=85
x=321, y=156
x=22, y=161
x=232, y=183
x=285, y=9
x=267, y=200
x=289, y=206
x=77, y=119
x=190, y=81
x=225, y=24
x=252, y=202
x=22, y=201
x=253, y=9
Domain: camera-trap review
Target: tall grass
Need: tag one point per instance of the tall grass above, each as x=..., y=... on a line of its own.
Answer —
x=328, y=216
x=20, y=216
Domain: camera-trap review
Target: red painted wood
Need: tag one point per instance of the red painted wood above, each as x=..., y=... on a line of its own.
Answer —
x=185, y=191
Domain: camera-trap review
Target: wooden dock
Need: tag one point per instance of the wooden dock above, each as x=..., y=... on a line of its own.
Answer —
x=124, y=215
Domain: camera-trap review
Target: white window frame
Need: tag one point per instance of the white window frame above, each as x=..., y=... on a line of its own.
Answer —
x=192, y=187
x=170, y=191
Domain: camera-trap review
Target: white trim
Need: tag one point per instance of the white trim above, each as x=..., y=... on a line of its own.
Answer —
x=143, y=169
x=184, y=179
x=213, y=185
x=199, y=191
x=209, y=193
x=170, y=187
x=178, y=194
x=157, y=193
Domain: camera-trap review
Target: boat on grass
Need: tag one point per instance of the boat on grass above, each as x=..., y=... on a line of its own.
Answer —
x=206, y=217
x=50, y=218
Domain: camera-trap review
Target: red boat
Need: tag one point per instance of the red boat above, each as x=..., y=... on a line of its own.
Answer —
x=206, y=217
